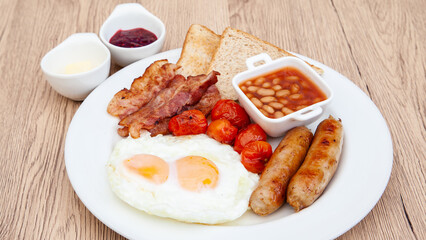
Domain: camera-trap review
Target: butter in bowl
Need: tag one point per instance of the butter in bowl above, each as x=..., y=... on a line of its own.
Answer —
x=77, y=65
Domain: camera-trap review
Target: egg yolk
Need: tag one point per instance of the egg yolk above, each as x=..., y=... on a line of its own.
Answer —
x=151, y=167
x=196, y=173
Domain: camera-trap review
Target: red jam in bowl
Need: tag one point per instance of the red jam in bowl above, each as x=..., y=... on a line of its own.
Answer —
x=132, y=38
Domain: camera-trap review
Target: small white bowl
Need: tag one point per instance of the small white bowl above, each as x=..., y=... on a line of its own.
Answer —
x=79, y=47
x=277, y=127
x=129, y=16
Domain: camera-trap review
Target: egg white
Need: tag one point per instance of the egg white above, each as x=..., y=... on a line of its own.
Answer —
x=226, y=202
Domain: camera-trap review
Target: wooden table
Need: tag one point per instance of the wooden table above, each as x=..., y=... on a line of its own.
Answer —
x=379, y=45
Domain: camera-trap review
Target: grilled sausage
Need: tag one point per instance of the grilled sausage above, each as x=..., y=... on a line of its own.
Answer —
x=319, y=166
x=284, y=162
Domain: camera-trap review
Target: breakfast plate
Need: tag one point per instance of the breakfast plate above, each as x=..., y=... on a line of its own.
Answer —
x=358, y=184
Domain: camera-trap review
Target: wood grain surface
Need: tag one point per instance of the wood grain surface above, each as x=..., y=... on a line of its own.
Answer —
x=379, y=45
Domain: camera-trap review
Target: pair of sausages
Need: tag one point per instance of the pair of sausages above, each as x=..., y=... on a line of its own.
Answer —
x=299, y=170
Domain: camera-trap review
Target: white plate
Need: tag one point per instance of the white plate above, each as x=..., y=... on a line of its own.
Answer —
x=358, y=184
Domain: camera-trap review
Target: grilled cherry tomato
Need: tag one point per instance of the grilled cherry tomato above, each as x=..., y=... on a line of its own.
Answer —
x=255, y=155
x=252, y=133
x=222, y=130
x=232, y=111
x=188, y=122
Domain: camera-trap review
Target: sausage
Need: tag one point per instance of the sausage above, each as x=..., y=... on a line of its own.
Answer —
x=284, y=162
x=319, y=166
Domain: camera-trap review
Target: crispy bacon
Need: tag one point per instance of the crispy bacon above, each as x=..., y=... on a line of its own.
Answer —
x=156, y=77
x=161, y=128
x=124, y=131
x=207, y=102
x=205, y=105
x=169, y=101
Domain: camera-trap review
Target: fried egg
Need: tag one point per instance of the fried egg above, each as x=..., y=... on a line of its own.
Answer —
x=188, y=178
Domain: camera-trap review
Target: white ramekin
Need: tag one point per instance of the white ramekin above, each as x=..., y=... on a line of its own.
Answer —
x=76, y=48
x=277, y=127
x=129, y=16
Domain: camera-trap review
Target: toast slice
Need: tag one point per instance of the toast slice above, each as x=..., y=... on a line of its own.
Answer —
x=230, y=57
x=198, y=49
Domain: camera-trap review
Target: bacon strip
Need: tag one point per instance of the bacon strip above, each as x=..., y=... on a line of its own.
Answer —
x=161, y=128
x=181, y=92
x=156, y=77
x=205, y=105
x=123, y=132
x=207, y=102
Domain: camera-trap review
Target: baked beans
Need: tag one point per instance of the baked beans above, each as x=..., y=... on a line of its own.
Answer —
x=282, y=92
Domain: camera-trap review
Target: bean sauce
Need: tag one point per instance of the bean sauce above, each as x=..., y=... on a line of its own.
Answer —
x=282, y=92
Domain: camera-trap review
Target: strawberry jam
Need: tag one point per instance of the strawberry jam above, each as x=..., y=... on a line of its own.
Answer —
x=132, y=38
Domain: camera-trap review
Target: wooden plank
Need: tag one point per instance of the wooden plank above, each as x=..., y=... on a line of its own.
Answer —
x=379, y=45
x=387, y=42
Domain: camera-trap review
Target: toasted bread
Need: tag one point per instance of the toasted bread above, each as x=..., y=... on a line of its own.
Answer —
x=230, y=57
x=198, y=49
